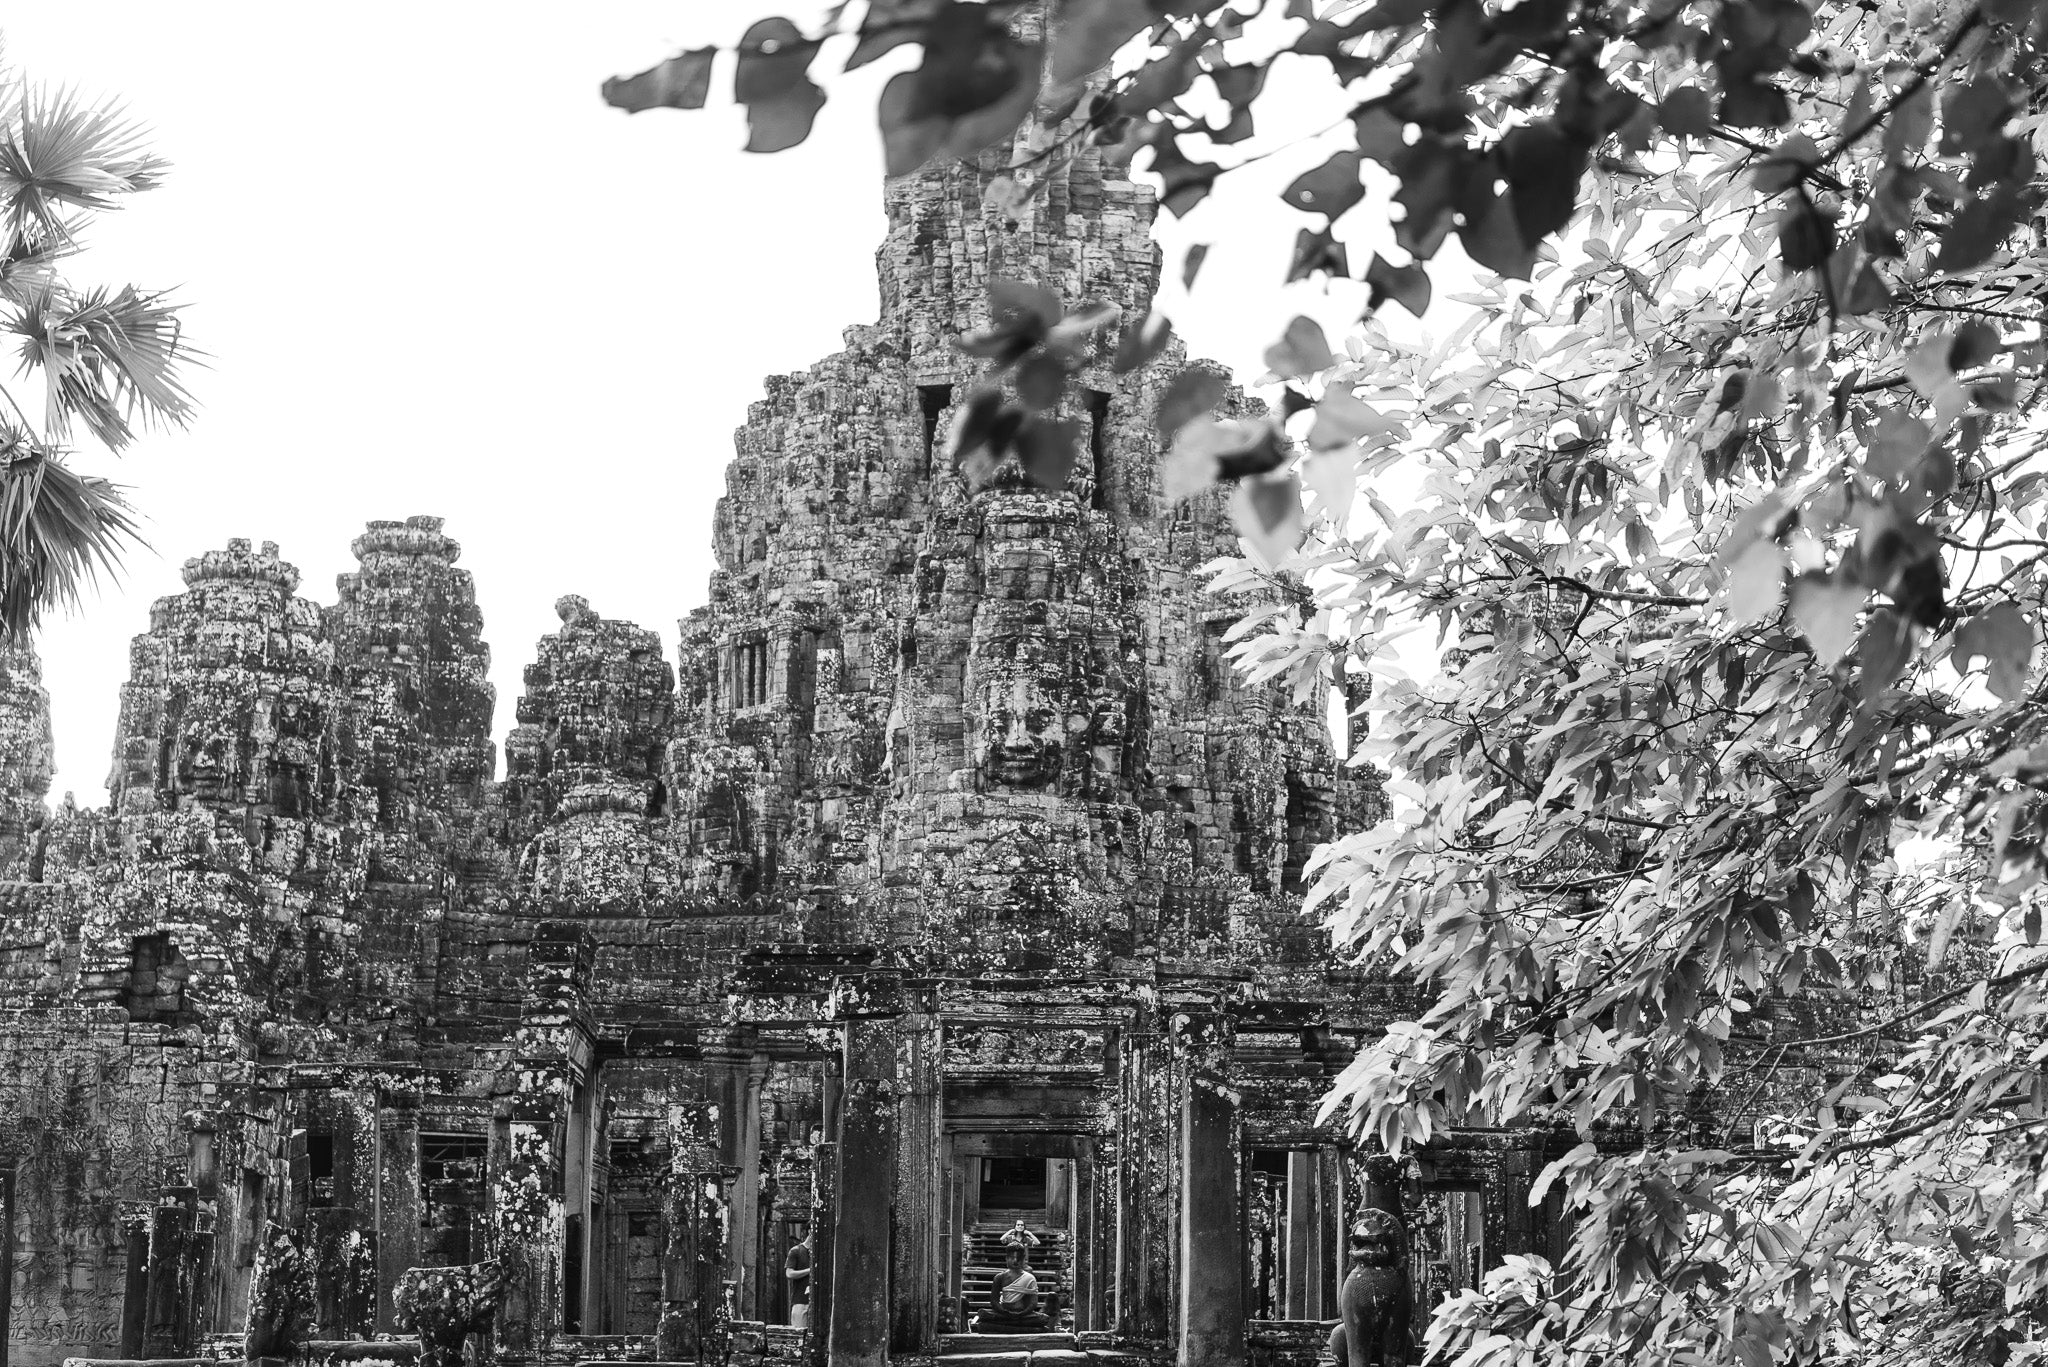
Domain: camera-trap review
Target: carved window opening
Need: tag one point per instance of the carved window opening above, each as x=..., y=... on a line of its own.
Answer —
x=319, y=1169
x=1449, y=1249
x=657, y=801
x=1213, y=664
x=625, y=1242
x=750, y=673
x=1294, y=1228
x=1307, y=826
x=934, y=399
x=451, y=1198
x=1098, y=446
x=157, y=974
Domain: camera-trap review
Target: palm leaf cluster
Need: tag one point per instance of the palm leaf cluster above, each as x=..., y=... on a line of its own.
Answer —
x=109, y=359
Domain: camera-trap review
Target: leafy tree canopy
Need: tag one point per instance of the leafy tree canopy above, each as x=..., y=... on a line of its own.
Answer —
x=1723, y=844
x=107, y=359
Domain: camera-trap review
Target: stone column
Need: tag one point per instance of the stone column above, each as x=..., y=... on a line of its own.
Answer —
x=917, y=1277
x=867, y=1171
x=824, y=1242
x=746, y=1203
x=167, y=1315
x=135, y=1287
x=1085, y=1279
x=398, y=1200
x=1148, y=1143
x=1301, y=1213
x=1212, y=1235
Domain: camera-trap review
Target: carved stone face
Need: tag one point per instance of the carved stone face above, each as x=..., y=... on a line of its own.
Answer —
x=205, y=760
x=1023, y=734
x=1376, y=1239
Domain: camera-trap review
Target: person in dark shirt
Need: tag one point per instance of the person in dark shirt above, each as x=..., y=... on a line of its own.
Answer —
x=796, y=1268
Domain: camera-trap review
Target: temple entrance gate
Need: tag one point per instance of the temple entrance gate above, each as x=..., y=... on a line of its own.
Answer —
x=1048, y=1182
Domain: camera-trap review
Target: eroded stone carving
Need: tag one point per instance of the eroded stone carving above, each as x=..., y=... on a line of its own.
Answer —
x=445, y=1305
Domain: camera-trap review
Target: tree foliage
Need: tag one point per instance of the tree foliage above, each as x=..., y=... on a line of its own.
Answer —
x=107, y=358
x=1722, y=836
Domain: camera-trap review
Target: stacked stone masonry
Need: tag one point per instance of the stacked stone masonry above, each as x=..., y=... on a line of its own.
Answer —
x=949, y=874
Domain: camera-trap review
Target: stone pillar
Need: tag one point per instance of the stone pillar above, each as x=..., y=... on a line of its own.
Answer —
x=1301, y=1213
x=135, y=1287
x=917, y=1277
x=867, y=1171
x=712, y=1292
x=398, y=1201
x=1212, y=1234
x=526, y=1218
x=1086, y=1281
x=1147, y=1148
x=746, y=1201
x=824, y=1242
x=167, y=1314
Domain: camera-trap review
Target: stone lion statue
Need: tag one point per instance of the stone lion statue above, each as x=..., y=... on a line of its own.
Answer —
x=445, y=1305
x=1374, y=1300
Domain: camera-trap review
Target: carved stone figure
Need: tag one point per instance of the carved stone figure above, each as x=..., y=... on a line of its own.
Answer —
x=445, y=1305
x=1374, y=1300
x=281, y=1301
x=1023, y=744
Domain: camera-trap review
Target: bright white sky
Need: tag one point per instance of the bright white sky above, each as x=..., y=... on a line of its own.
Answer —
x=437, y=275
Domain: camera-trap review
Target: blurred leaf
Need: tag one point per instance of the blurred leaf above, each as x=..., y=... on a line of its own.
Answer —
x=1317, y=251
x=1687, y=112
x=1142, y=342
x=681, y=82
x=1897, y=446
x=1191, y=264
x=1332, y=476
x=1191, y=393
x=2004, y=638
x=1041, y=381
x=1090, y=32
x=1886, y=645
x=1543, y=165
x=1980, y=226
x=1045, y=448
x=1301, y=350
x=1267, y=514
x=1341, y=419
x=1756, y=583
x=770, y=80
x=1406, y=285
x=1330, y=189
x=1826, y=610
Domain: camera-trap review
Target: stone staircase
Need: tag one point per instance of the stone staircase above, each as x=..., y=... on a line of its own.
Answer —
x=1051, y=1261
x=1012, y=1350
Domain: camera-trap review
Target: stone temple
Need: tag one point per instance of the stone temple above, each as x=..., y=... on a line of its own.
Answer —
x=949, y=877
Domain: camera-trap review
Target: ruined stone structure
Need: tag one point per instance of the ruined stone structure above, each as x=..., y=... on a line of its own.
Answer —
x=949, y=871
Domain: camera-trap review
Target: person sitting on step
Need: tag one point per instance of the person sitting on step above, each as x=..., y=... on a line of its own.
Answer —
x=1014, y=1303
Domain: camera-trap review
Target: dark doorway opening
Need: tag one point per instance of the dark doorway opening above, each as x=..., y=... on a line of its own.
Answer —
x=1013, y=1184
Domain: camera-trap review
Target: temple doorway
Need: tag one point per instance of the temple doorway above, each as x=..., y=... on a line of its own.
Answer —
x=1028, y=1191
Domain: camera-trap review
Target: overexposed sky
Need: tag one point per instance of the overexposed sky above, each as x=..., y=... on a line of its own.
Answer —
x=435, y=274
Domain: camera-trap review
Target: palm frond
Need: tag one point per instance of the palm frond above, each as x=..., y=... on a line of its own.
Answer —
x=59, y=532
x=107, y=357
x=28, y=261
x=58, y=152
